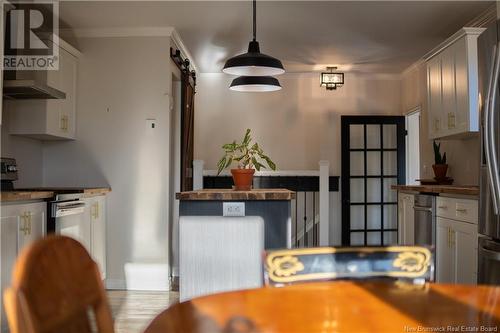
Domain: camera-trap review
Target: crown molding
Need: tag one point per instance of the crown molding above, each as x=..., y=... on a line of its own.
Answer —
x=413, y=66
x=121, y=32
x=459, y=34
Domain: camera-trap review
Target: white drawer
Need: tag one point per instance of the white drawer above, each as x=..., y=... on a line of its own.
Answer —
x=465, y=210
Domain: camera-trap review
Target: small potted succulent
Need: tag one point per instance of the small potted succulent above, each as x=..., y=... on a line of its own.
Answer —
x=440, y=167
x=248, y=156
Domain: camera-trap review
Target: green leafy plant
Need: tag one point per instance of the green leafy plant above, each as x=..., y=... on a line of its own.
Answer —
x=246, y=154
x=438, y=158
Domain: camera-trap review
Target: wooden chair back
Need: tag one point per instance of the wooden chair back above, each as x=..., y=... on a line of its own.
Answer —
x=55, y=285
x=412, y=263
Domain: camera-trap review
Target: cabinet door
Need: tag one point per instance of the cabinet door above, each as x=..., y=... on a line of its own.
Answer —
x=448, y=112
x=98, y=225
x=32, y=223
x=61, y=113
x=434, y=93
x=8, y=247
x=464, y=241
x=445, y=255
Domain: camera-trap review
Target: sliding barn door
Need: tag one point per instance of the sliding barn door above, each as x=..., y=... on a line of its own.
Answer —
x=187, y=133
x=373, y=159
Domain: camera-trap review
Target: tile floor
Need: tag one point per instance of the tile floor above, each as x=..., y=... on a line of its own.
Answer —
x=133, y=310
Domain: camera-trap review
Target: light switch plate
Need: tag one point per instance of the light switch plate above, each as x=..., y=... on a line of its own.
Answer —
x=233, y=209
x=151, y=124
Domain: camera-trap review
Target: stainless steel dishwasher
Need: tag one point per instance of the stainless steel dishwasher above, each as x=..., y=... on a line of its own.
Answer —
x=425, y=219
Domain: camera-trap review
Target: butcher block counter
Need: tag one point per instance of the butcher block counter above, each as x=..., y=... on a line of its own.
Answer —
x=225, y=194
x=439, y=189
x=42, y=193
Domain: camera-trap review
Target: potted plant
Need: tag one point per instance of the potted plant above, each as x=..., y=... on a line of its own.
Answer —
x=440, y=167
x=249, y=157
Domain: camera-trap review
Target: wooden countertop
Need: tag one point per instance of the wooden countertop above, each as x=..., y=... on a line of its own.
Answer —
x=40, y=193
x=25, y=195
x=450, y=189
x=342, y=306
x=226, y=194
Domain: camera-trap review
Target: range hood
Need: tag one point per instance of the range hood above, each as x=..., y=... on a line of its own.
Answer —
x=29, y=85
x=30, y=89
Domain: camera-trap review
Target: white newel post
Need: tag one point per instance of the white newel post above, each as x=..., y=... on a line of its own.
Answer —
x=324, y=203
x=198, y=174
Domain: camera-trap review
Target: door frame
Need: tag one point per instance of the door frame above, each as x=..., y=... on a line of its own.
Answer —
x=416, y=110
x=345, y=163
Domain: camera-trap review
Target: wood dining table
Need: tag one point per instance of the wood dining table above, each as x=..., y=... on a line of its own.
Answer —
x=341, y=306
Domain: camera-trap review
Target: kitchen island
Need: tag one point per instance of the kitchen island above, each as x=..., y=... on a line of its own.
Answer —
x=223, y=234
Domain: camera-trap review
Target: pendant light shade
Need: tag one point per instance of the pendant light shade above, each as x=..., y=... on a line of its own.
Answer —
x=255, y=69
x=253, y=63
x=255, y=84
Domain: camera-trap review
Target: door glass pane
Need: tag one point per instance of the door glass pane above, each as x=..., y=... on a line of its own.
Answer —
x=373, y=190
x=390, y=136
x=356, y=137
x=373, y=163
x=390, y=163
x=390, y=195
x=373, y=136
x=357, y=163
x=390, y=216
x=357, y=238
x=357, y=217
x=373, y=217
x=357, y=190
x=373, y=238
x=390, y=238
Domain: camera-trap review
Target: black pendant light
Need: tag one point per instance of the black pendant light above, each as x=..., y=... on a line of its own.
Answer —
x=255, y=84
x=253, y=63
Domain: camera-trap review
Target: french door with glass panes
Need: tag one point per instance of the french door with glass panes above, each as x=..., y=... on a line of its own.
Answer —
x=373, y=159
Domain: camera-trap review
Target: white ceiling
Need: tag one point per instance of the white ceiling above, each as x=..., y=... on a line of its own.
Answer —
x=373, y=36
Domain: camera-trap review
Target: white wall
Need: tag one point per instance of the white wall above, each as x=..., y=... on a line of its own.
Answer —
x=27, y=152
x=464, y=168
x=297, y=126
x=121, y=83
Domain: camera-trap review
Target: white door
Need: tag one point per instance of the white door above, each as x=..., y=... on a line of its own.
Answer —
x=464, y=241
x=413, y=147
x=98, y=227
x=406, y=219
x=445, y=254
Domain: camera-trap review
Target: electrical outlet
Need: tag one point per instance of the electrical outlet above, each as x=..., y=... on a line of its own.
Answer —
x=233, y=209
x=151, y=124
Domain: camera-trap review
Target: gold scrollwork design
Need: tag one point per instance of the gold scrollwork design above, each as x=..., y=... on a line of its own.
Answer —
x=411, y=262
x=286, y=266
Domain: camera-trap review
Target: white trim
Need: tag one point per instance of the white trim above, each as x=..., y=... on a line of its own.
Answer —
x=413, y=66
x=177, y=40
x=324, y=203
x=416, y=109
x=268, y=173
x=122, y=32
x=456, y=36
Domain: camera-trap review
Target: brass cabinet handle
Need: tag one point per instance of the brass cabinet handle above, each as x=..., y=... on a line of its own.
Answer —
x=95, y=210
x=26, y=224
x=462, y=210
x=443, y=207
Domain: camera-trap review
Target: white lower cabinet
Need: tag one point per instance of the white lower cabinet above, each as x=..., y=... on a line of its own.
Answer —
x=456, y=244
x=95, y=213
x=406, y=219
x=20, y=225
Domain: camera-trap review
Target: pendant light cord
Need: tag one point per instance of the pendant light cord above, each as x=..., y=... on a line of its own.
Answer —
x=254, y=20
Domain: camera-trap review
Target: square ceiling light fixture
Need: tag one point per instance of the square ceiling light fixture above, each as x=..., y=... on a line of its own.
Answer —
x=331, y=80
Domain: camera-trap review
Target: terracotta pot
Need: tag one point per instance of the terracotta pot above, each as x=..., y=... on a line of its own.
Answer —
x=243, y=179
x=440, y=171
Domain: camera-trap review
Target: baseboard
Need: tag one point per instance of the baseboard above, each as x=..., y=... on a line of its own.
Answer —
x=115, y=284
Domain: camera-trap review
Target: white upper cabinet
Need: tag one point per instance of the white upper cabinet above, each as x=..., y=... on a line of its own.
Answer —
x=50, y=119
x=452, y=86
